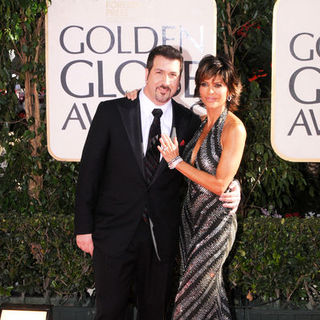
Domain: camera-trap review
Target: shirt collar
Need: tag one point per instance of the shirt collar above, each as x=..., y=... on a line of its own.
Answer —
x=146, y=106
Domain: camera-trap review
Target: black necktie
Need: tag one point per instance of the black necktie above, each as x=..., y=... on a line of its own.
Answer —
x=152, y=157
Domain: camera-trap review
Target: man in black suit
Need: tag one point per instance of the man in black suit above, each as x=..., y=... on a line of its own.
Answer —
x=125, y=218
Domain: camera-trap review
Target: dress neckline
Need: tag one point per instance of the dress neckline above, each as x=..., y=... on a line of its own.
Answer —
x=221, y=117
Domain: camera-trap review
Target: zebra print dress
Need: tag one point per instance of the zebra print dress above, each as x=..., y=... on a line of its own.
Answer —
x=206, y=236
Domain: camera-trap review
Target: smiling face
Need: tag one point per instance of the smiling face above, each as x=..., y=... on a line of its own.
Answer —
x=162, y=80
x=213, y=92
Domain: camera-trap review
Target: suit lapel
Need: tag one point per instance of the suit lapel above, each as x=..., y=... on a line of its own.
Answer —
x=177, y=126
x=130, y=114
x=176, y=131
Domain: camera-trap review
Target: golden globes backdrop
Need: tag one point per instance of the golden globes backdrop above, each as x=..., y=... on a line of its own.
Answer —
x=97, y=49
x=295, y=117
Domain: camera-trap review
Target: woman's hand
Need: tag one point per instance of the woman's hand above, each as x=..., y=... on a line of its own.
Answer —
x=169, y=149
x=131, y=95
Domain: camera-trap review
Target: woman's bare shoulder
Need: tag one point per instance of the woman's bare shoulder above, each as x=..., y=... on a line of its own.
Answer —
x=233, y=123
x=233, y=132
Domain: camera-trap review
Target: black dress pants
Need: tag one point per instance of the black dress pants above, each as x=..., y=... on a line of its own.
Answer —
x=138, y=268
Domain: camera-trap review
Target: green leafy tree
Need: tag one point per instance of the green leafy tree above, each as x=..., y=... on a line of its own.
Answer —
x=245, y=34
x=22, y=28
x=30, y=180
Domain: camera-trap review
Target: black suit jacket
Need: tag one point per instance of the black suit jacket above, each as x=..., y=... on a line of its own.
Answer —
x=112, y=192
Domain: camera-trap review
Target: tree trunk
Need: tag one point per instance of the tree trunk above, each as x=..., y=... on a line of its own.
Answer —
x=32, y=109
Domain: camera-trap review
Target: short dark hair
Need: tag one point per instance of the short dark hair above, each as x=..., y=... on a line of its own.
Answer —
x=211, y=66
x=166, y=51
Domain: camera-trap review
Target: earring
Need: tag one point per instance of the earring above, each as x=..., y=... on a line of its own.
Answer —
x=229, y=98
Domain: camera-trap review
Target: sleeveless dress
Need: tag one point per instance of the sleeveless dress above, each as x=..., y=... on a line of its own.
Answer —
x=206, y=236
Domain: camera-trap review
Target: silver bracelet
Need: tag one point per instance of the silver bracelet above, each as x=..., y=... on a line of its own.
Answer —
x=174, y=159
x=173, y=163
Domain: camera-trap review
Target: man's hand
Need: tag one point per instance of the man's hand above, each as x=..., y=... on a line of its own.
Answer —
x=132, y=95
x=232, y=198
x=85, y=243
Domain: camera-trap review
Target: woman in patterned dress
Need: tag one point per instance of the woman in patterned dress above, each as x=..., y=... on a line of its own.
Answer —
x=210, y=161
